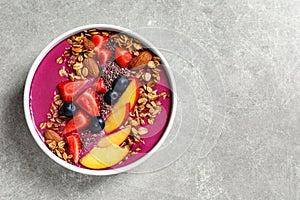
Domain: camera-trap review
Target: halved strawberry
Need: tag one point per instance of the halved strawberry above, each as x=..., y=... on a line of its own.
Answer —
x=74, y=144
x=123, y=57
x=104, y=55
x=89, y=102
x=79, y=122
x=68, y=89
x=99, y=40
x=100, y=86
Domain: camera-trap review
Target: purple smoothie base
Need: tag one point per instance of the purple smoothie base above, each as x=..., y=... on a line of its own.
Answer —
x=44, y=86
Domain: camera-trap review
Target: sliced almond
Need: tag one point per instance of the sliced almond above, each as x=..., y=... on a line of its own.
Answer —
x=151, y=64
x=147, y=76
x=85, y=71
x=142, y=130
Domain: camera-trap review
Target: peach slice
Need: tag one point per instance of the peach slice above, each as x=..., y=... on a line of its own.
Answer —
x=90, y=162
x=116, y=138
x=117, y=117
x=131, y=94
x=107, y=156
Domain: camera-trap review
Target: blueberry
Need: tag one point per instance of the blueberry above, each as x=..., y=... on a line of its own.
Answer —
x=68, y=109
x=120, y=84
x=111, y=97
x=97, y=124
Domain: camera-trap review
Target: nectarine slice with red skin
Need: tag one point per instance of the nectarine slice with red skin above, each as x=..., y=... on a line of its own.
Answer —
x=116, y=138
x=135, y=93
x=117, y=117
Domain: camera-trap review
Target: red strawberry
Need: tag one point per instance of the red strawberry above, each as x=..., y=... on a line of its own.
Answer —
x=89, y=102
x=74, y=143
x=100, y=86
x=68, y=89
x=104, y=55
x=99, y=40
x=123, y=57
x=79, y=122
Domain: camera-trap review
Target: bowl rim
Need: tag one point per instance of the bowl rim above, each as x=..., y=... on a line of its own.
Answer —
x=31, y=125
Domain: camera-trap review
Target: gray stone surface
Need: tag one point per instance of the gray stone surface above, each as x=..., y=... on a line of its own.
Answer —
x=253, y=154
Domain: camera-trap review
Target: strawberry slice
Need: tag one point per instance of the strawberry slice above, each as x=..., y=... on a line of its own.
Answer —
x=79, y=122
x=104, y=55
x=99, y=40
x=89, y=102
x=68, y=89
x=123, y=57
x=100, y=86
x=74, y=143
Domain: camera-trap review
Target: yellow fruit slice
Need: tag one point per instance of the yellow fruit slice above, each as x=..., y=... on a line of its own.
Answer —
x=116, y=138
x=117, y=117
x=109, y=155
x=130, y=95
x=90, y=162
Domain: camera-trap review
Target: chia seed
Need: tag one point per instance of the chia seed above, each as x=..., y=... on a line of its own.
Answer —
x=109, y=73
x=111, y=45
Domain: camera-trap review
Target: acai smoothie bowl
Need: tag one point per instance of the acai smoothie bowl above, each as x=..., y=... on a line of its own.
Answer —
x=99, y=99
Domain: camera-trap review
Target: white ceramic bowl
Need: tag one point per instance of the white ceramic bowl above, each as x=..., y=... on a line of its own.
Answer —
x=30, y=122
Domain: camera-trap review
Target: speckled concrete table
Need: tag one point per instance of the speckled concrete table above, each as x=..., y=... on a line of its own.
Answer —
x=254, y=47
